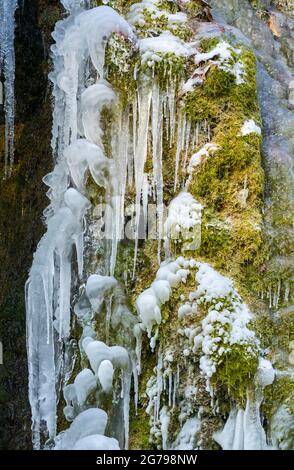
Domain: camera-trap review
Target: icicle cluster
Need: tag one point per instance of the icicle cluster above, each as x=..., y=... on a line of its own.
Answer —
x=77, y=142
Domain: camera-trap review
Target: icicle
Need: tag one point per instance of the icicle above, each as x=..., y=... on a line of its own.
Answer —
x=126, y=405
x=145, y=192
x=180, y=144
x=176, y=384
x=187, y=142
x=77, y=109
x=171, y=111
x=108, y=303
x=7, y=66
x=157, y=158
x=144, y=101
x=287, y=291
x=278, y=294
x=159, y=384
x=170, y=388
x=134, y=361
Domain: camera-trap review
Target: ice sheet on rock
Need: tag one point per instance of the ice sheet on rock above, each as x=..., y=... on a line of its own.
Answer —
x=282, y=425
x=7, y=67
x=186, y=438
x=93, y=100
x=96, y=442
x=265, y=374
x=249, y=127
x=89, y=422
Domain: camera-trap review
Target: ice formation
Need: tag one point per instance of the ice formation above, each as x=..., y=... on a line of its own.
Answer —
x=250, y=127
x=243, y=429
x=81, y=36
x=137, y=10
x=183, y=223
x=7, y=67
x=166, y=43
x=186, y=438
x=109, y=361
x=90, y=422
x=222, y=56
x=198, y=158
x=169, y=275
x=226, y=323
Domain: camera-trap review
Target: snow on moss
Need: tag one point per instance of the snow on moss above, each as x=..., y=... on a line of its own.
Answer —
x=225, y=326
x=200, y=157
x=183, y=223
x=148, y=12
x=224, y=56
x=250, y=127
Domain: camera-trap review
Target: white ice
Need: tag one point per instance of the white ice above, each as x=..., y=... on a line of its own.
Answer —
x=87, y=423
x=183, y=223
x=96, y=442
x=249, y=127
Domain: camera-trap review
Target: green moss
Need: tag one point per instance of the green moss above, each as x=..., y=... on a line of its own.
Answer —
x=281, y=392
x=235, y=227
x=236, y=371
x=121, y=60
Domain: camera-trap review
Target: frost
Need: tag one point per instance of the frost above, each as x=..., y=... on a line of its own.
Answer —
x=7, y=67
x=250, y=127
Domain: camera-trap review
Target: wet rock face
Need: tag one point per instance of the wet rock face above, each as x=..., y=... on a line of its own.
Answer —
x=22, y=200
